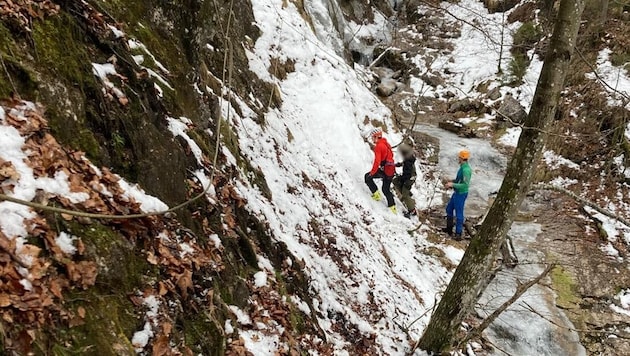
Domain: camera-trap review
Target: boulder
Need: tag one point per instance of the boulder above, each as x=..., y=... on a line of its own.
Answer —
x=432, y=80
x=386, y=88
x=465, y=105
x=494, y=93
x=512, y=110
x=500, y=5
x=457, y=128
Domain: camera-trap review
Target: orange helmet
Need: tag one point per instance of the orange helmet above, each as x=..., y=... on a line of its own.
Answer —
x=464, y=154
x=376, y=133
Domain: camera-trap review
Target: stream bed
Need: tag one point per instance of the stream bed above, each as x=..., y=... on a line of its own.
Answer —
x=533, y=325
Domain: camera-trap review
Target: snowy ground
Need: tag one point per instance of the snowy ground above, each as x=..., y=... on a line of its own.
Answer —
x=366, y=271
x=318, y=134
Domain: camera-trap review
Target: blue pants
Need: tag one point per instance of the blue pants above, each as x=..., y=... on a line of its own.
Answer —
x=457, y=203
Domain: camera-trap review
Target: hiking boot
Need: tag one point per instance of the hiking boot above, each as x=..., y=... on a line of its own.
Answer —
x=393, y=209
x=449, y=226
x=376, y=196
x=410, y=213
x=457, y=237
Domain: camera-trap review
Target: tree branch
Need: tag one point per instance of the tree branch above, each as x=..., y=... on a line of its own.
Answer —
x=582, y=200
x=522, y=288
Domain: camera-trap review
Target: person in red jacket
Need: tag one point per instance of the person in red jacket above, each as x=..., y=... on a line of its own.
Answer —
x=383, y=168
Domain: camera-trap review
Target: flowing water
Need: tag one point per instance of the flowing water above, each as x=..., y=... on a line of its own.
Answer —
x=533, y=325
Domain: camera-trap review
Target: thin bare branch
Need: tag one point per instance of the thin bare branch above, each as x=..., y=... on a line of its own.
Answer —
x=522, y=288
x=583, y=201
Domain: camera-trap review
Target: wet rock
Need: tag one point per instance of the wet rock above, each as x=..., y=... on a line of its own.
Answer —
x=457, y=128
x=393, y=59
x=494, y=94
x=460, y=105
x=386, y=88
x=465, y=105
x=432, y=80
x=381, y=72
x=523, y=13
x=500, y=5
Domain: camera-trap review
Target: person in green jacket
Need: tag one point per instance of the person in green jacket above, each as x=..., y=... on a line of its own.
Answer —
x=460, y=192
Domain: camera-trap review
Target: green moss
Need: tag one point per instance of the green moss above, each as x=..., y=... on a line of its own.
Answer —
x=621, y=59
x=109, y=249
x=107, y=327
x=201, y=334
x=110, y=317
x=80, y=138
x=230, y=140
x=59, y=46
x=14, y=75
x=201, y=140
x=564, y=286
x=296, y=317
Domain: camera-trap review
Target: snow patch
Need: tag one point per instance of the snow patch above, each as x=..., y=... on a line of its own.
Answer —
x=141, y=338
x=147, y=202
x=261, y=344
x=242, y=317
x=117, y=33
x=563, y=182
x=511, y=136
x=178, y=127
x=554, y=161
x=65, y=243
x=617, y=83
x=260, y=279
x=215, y=240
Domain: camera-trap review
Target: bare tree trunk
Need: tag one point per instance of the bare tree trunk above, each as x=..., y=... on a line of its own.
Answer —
x=470, y=279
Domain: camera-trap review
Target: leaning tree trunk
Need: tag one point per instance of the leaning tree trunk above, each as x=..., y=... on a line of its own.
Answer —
x=469, y=279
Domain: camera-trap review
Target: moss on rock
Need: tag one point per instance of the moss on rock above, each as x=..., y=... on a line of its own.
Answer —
x=564, y=286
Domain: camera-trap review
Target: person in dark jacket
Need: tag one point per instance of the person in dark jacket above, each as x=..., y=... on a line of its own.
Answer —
x=383, y=168
x=404, y=181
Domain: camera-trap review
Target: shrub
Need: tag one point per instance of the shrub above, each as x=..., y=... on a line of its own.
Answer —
x=518, y=67
x=526, y=36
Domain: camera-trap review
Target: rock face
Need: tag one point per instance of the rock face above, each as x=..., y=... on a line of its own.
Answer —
x=157, y=56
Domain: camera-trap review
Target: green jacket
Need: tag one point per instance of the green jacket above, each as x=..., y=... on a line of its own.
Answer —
x=462, y=181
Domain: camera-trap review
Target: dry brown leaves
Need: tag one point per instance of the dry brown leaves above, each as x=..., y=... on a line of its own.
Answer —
x=23, y=12
x=32, y=283
x=7, y=171
x=269, y=308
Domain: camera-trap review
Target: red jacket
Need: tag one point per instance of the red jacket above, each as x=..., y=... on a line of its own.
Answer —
x=383, y=157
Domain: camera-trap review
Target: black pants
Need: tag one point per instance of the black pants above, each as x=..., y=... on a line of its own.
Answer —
x=387, y=181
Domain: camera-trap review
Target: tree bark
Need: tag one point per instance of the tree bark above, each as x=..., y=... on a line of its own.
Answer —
x=470, y=279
